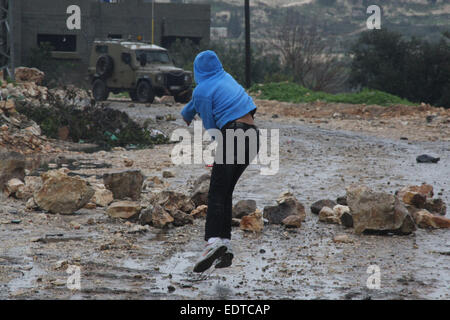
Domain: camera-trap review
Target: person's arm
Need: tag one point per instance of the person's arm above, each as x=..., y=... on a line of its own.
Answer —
x=205, y=107
x=189, y=112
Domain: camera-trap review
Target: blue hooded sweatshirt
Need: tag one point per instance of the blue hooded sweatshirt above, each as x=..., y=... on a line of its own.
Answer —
x=217, y=98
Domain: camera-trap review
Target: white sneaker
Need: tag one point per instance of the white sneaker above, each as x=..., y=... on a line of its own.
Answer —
x=227, y=259
x=212, y=252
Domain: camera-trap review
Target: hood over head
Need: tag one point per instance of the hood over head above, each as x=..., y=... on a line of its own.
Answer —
x=207, y=65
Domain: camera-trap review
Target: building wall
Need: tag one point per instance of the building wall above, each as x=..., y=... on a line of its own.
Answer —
x=98, y=20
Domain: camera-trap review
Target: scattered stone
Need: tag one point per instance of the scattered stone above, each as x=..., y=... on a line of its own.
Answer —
x=252, y=222
x=102, y=197
x=128, y=162
x=12, y=186
x=342, y=201
x=156, y=216
x=201, y=188
x=172, y=201
x=318, y=205
x=424, y=158
x=339, y=210
x=342, y=238
x=90, y=206
x=180, y=218
x=378, y=211
x=328, y=215
x=168, y=174
x=243, y=208
x=436, y=206
x=12, y=165
x=124, y=184
x=425, y=219
x=124, y=209
x=235, y=222
x=31, y=204
x=347, y=219
x=287, y=205
x=294, y=221
x=200, y=211
x=61, y=193
x=416, y=195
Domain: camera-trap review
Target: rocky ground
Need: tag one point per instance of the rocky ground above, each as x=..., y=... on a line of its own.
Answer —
x=323, y=150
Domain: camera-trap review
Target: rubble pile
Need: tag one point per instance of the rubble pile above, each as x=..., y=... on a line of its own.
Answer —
x=67, y=113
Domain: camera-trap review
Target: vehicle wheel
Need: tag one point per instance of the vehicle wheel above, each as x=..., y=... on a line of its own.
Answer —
x=133, y=95
x=100, y=90
x=183, y=98
x=145, y=92
x=105, y=66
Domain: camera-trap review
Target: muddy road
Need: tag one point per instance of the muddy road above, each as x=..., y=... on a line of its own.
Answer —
x=120, y=260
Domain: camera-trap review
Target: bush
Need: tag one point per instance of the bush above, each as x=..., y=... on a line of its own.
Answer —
x=291, y=92
x=414, y=69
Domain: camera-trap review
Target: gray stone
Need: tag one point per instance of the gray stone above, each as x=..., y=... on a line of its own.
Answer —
x=244, y=208
x=318, y=205
x=124, y=184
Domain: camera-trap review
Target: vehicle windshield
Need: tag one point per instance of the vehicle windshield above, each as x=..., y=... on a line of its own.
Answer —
x=154, y=56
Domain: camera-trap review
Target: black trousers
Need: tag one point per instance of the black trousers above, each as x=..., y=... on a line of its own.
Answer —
x=224, y=177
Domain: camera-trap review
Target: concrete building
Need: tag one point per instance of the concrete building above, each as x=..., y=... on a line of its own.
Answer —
x=38, y=21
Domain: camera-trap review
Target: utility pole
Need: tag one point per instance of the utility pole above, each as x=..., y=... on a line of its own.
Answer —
x=248, y=80
x=153, y=21
x=6, y=39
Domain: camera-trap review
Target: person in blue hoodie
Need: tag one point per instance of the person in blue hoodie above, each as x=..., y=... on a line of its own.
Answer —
x=222, y=104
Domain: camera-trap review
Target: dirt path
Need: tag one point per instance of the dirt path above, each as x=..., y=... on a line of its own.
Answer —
x=118, y=261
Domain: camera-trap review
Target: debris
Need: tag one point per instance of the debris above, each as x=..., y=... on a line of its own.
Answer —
x=424, y=158
x=124, y=184
x=416, y=195
x=436, y=206
x=287, y=205
x=318, y=205
x=328, y=215
x=294, y=221
x=102, y=197
x=61, y=193
x=252, y=222
x=200, y=211
x=156, y=216
x=243, y=208
x=124, y=209
x=201, y=188
x=425, y=219
x=180, y=218
x=168, y=174
x=378, y=211
x=342, y=238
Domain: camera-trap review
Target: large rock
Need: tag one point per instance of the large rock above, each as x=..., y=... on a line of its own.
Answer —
x=102, y=197
x=156, y=216
x=12, y=165
x=124, y=184
x=124, y=209
x=318, y=205
x=425, y=219
x=378, y=211
x=253, y=222
x=244, y=208
x=61, y=193
x=294, y=221
x=287, y=205
x=172, y=201
x=201, y=189
x=416, y=195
